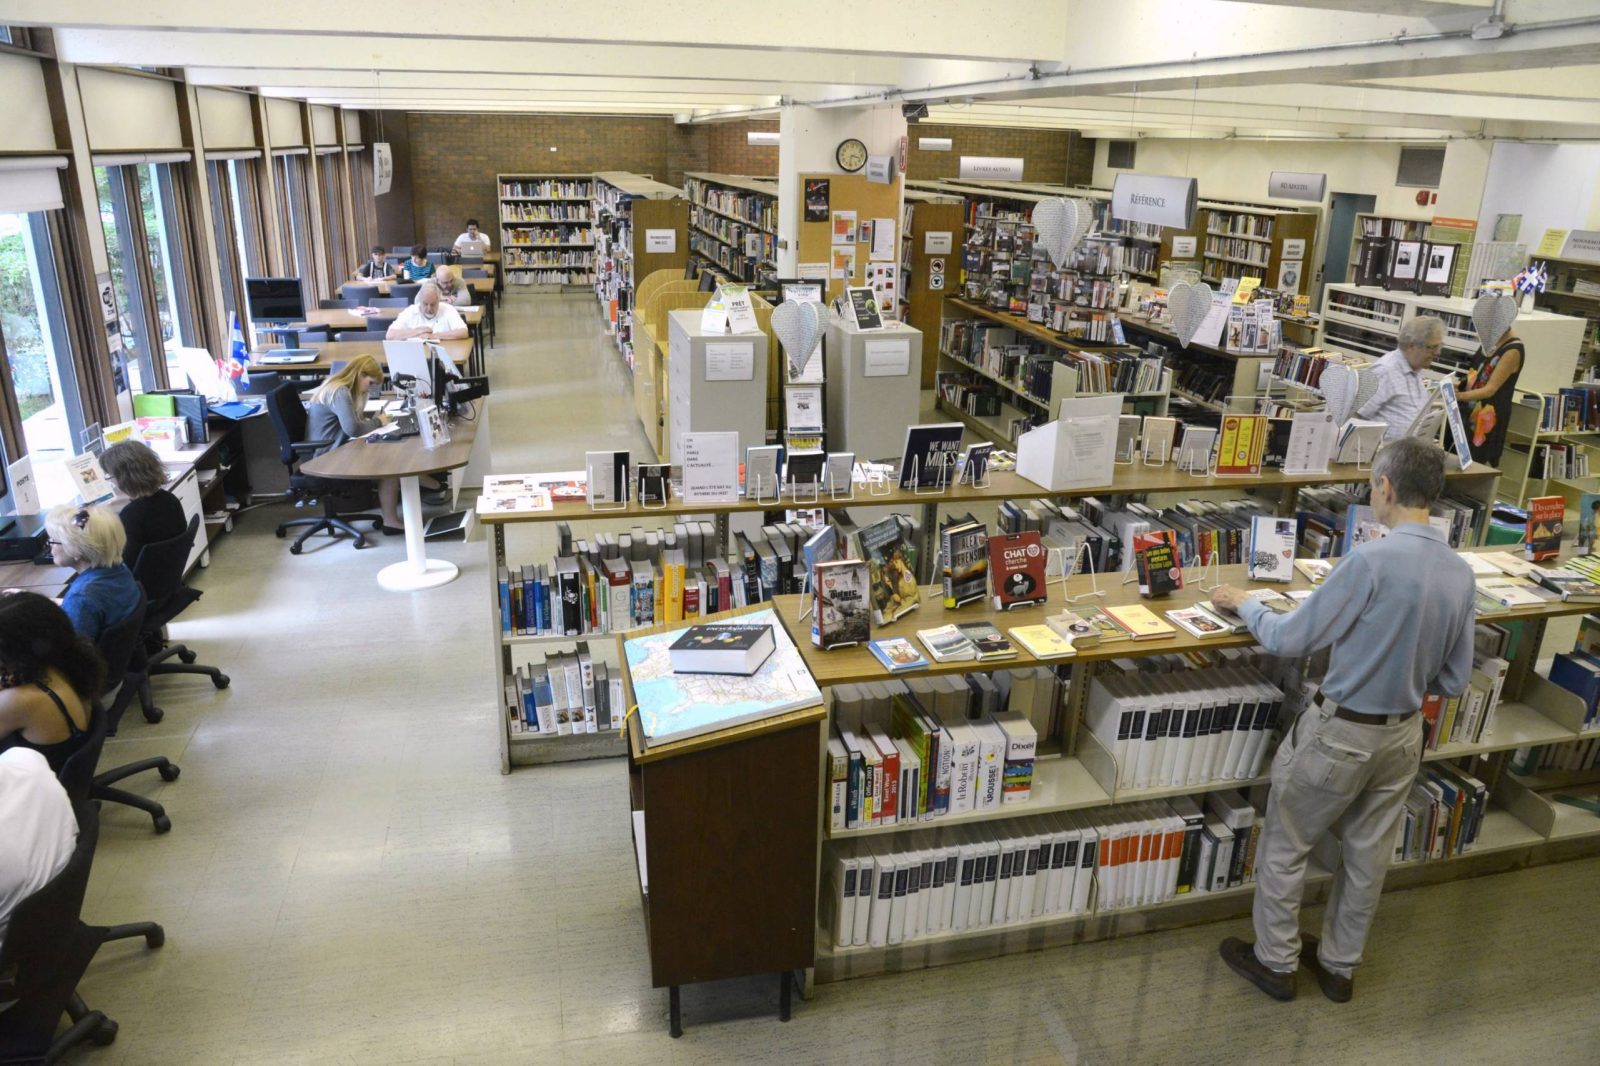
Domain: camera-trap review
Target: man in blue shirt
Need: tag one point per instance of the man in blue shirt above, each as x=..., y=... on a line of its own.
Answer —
x=1397, y=614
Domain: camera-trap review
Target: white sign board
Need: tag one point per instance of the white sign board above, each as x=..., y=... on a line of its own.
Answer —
x=382, y=168
x=990, y=168
x=710, y=467
x=880, y=169
x=730, y=360
x=1582, y=244
x=1185, y=247
x=658, y=241
x=886, y=358
x=938, y=242
x=1154, y=198
x=24, y=489
x=1294, y=248
x=935, y=144
x=1292, y=185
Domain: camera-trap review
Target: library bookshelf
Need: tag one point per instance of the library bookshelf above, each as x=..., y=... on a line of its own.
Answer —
x=733, y=224
x=546, y=237
x=1073, y=773
x=1238, y=240
x=1573, y=288
x=519, y=748
x=640, y=226
x=1369, y=224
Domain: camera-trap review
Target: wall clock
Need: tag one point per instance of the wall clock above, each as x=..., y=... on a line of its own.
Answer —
x=851, y=155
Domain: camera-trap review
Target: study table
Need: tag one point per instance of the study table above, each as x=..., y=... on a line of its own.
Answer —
x=459, y=353
x=364, y=460
x=343, y=318
x=485, y=288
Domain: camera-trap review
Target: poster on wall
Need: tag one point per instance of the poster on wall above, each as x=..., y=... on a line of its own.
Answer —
x=108, y=298
x=382, y=168
x=844, y=227
x=816, y=200
x=1289, y=275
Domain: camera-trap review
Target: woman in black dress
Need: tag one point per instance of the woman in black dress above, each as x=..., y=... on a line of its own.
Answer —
x=1486, y=401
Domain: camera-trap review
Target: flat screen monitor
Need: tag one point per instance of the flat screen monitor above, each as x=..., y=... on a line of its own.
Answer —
x=275, y=299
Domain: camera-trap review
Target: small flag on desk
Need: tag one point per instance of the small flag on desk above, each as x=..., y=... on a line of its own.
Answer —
x=238, y=365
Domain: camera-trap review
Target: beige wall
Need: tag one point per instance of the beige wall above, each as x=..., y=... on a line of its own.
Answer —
x=324, y=124
x=283, y=123
x=225, y=119
x=125, y=112
x=27, y=126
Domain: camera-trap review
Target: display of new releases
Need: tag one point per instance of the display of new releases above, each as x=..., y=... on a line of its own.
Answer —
x=842, y=590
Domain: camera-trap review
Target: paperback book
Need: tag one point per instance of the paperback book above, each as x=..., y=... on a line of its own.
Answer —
x=1199, y=622
x=1160, y=572
x=929, y=457
x=988, y=641
x=962, y=546
x=1017, y=564
x=1271, y=548
x=841, y=603
x=947, y=644
x=897, y=654
x=1543, y=538
x=1042, y=642
x=891, y=563
x=1139, y=622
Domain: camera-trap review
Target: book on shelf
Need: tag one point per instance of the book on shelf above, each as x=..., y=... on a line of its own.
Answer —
x=1272, y=544
x=1160, y=568
x=947, y=644
x=1569, y=584
x=930, y=454
x=988, y=642
x=1546, y=515
x=564, y=694
x=963, y=549
x=1042, y=641
x=842, y=603
x=1199, y=622
x=1139, y=622
x=1017, y=563
x=1241, y=445
x=897, y=654
x=890, y=553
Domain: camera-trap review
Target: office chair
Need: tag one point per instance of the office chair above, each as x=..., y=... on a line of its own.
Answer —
x=474, y=272
x=125, y=678
x=288, y=416
x=366, y=334
x=387, y=302
x=261, y=383
x=159, y=572
x=406, y=291
x=361, y=294
x=346, y=303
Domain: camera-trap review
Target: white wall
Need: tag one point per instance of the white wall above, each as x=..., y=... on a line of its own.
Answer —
x=1552, y=186
x=126, y=112
x=27, y=127
x=283, y=123
x=324, y=124
x=808, y=140
x=225, y=119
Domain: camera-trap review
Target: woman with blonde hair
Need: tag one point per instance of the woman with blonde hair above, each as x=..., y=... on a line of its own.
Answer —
x=90, y=541
x=334, y=415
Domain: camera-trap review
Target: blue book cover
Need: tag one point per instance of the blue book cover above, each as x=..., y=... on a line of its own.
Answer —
x=897, y=654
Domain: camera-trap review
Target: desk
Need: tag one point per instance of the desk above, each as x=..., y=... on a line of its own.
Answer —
x=48, y=580
x=484, y=287
x=338, y=318
x=407, y=460
x=460, y=353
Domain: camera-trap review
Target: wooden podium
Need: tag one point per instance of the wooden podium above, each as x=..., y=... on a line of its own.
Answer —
x=728, y=864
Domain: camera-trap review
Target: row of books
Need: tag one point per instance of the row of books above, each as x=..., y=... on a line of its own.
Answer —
x=1223, y=270
x=974, y=395
x=995, y=350
x=1376, y=226
x=537, y=212
x=926, y=755
x=547, y=235
x=752, y=207
x=1443, y=814
x=515, y=276
x=1185, y=729
x=732, y=260
x=1469, y=717
x=1253, y=251
x=1362, y=305
x=1333, y=519
x=1079, y=290
x=1563, y=461
x=1239, y=224
x=1094, y=327
x=1574, y=409
x=546, y=189
x=565, y=694
x=1116, y=227
x=1572, y=755
x=1304, y=365
x=569, y=259
x=1201, y=528
x=748, y=238
x=1075, y=863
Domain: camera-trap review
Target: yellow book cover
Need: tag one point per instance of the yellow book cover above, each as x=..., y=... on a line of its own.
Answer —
x=1042, y=642
x=1247, y=288
x=660, y=597
x=674, y=583
x=1228, y=440
x=1140, y=622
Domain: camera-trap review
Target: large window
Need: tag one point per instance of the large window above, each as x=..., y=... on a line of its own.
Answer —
x=333, y=182
x=294, y=219
x=37, y=353
x=236, y=226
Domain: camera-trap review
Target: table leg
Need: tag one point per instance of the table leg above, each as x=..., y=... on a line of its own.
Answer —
x=785, y=989
x=674, y=1013
x=418, y=571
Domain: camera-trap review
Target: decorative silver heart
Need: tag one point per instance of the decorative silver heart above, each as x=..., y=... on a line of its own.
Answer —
x=1492, y=315
x=1188, y=304
x=798, y=326
x=1058, y=226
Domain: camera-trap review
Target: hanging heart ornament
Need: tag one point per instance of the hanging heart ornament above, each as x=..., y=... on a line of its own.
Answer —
x=1188, y=304
x=1058, y=225
x=1492, y=315
x=798, y=327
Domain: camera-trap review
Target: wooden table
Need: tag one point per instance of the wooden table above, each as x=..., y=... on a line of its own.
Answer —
x=408, y=460
x=338, y=318
x=48, y=580
x=485, y=285
x=460, y=353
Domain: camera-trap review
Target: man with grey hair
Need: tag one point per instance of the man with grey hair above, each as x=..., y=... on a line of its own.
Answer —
x=1397, y=613
x=428, y=318
x=1401, y=393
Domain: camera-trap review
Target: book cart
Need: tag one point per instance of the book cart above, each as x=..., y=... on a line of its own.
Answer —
x=1073, y=772
x=521, y=749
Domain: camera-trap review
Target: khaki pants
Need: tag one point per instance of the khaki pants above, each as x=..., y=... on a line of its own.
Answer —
x=1339, y=777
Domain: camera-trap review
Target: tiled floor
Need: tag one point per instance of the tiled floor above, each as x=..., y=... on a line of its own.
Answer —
x=349, y=879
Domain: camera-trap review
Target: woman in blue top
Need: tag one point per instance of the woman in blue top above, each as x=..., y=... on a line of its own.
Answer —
x=417, y=268
x=90, y=540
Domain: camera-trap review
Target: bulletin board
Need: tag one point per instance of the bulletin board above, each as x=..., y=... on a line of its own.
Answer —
x=869, y=200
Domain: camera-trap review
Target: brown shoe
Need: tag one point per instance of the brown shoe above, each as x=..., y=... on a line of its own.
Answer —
x=1241, y=959
x=1339, y=989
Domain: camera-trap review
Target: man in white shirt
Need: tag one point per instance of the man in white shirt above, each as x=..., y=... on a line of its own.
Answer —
x=472, y=234
x=429, y=318
x=453, y=289
x=40, y=830
x=1401, y=392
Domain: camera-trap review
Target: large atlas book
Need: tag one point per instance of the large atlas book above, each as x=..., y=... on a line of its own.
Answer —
x=675, y=706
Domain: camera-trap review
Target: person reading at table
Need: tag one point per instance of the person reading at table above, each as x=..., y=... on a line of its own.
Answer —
x=90, y=541
x=152, y=513
x=50, y=676
x=334, y=415
x=417, y=268
x=473, y=234
x=428, y=318
x=452, y=290
x=376, y=268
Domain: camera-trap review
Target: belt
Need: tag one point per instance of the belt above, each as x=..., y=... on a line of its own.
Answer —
x=1357, y=717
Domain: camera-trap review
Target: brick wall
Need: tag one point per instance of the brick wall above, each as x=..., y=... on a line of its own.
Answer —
x=728, y=152
x=1047, y=155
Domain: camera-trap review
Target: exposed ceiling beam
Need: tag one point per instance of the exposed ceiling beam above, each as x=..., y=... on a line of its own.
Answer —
x=331, y=82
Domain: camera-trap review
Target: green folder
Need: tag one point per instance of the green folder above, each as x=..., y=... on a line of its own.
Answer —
x=154, y=406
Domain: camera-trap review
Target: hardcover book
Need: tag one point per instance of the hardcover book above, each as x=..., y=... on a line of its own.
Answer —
x=725, y=648
x=1271, y=548
x=841, y=603
x=929, y=457
x=1159, y=571
x=962, y=545
x=1017, y=568
x=1075, y=628
x=988, y=640
x=891, y=562
x=897, y=654
x=1543, y=537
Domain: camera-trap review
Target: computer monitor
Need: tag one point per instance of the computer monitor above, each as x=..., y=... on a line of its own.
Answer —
x=275, y=299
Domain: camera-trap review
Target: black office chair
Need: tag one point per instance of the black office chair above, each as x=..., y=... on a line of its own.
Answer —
x=125, y=678
x=261, y=383
x=406, y=291
x=346, y=303
x=474, y=272
x=361, y=294
x=288, y=416
x=159, y=571
x=388, y=302
x=376, y=334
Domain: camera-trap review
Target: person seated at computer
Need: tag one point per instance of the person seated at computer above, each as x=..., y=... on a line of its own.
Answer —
x=152, y=513
x=428, y=318
x=1401, y=392
x=453, y=289
x=417, y=268
x=103, y=591
x=334, y=415
x=473, y=234
x=50, y=676
x=376, y=268
x=41, y=833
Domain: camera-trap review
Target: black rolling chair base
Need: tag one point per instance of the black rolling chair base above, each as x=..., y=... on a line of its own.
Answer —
x=327, y=524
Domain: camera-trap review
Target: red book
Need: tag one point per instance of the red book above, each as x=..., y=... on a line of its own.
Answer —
x=1432, y=705
x=1017, y=569
x=1543, y=538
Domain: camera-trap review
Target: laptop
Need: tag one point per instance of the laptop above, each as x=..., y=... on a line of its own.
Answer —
x=470, y=249
x=289, y=356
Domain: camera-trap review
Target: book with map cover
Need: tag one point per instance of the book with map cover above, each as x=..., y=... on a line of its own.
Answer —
x=678, y=706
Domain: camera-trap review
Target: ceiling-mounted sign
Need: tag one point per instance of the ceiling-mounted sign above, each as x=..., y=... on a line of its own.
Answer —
x=1582, y=244
x=935, y=144
x=990, y=168
x=1154, y=198
x=382, y=168
x=1291, y=185
x=766, y=137
x=880, y=168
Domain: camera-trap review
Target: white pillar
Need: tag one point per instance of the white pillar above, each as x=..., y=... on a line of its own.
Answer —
x=807, y=140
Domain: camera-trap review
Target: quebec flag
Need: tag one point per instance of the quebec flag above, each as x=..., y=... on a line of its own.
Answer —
x=238, y=351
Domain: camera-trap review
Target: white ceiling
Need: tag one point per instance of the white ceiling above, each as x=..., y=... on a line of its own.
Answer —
x=1408, y=69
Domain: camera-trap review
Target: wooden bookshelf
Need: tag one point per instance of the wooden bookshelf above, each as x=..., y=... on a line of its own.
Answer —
x=546, y=235
x=1567, y=292
x=939, y=215
x=733, y=224
x=628, y=209
x=1520, y=827
x=1370, y=224
x=1241, y=241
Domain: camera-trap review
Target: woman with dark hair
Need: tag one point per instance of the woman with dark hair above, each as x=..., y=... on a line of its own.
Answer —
x=152, y=514
x=50, y=676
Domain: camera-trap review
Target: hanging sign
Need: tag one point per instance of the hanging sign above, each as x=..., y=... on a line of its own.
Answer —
x=1154, y=198
x=1291, y=185
x=990, y=168
x=382, y=168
